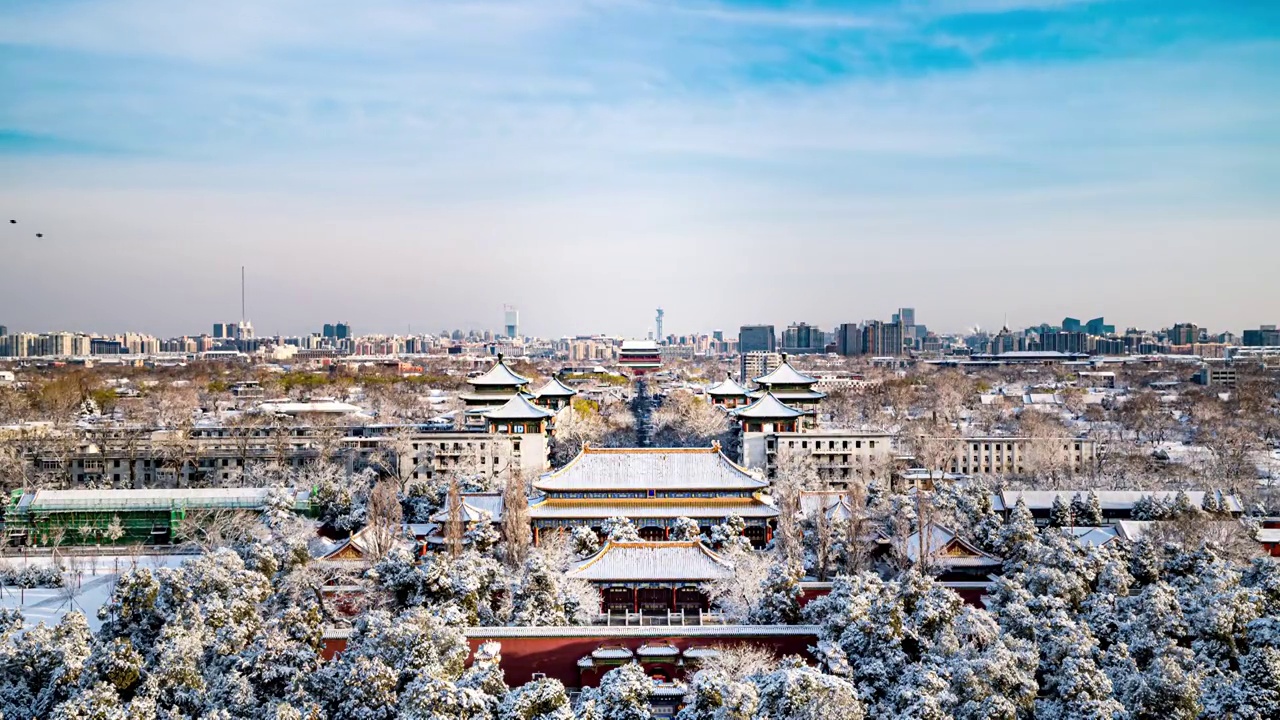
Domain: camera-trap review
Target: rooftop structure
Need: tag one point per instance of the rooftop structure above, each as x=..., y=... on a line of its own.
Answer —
x=653, y=576
x=728, y=393
x=640, y=356
x=554, y=394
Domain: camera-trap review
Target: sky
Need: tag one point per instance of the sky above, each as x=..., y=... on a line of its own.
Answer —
x=417, y=165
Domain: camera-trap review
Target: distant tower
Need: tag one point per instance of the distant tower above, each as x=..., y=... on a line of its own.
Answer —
x=511, y=321
x=658, y=326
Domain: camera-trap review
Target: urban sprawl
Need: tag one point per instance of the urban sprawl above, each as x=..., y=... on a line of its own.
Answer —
x=877, y=520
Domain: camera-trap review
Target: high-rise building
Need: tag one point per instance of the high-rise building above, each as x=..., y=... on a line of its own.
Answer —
x=1265, y=336
x=3, y=331
x=1065, y=342
x=1098, y=326
x=1184, y=334
x=657, y=326
x=756, y=338
x=510, y=321
x=907, y=316
x=337, y=331
x=802, y=338
x=849, y=339
x=757, y=364
x=882, y=339
x=224, y=330
x=1070, y=324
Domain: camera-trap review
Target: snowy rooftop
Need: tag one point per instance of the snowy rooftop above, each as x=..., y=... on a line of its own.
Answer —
x=555, y=388
x=601, y=469
x=518, y=408
x=499, y=376
x=1113, y=500
x=290, y=407
x=768, y=407
x=784, y=374
x=652, y=561
x=475, y=506
x=659, y=508
x=70, y=500
x=727, y=388
x=949, y=549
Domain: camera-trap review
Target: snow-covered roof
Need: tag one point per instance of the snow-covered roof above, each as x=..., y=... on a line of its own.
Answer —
x=290, y=407
x=784, y=374
x=1092, y=536
x=1269, y=535
x=518, y=408
x=789, y=395
x=658, y=650
x=768, y=407
x=727, y=388
x=834, y=505
x=612, y=652
x=1113, y=500
x=949, y=549
x=554, y=388
x=600, y=469
x=156, y=499
x=499, y=375
x=701, y=652
x=652, y=561
x=660, y=508
x=475, y=506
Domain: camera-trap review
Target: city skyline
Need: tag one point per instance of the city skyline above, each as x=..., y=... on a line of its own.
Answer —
x=729, y=162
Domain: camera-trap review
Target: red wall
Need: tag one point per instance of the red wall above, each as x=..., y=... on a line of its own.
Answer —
x=557, y=657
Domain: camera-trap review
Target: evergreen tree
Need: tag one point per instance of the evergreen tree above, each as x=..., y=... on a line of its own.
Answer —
x=780, y=600
x=685, y=529
x=1062, y=514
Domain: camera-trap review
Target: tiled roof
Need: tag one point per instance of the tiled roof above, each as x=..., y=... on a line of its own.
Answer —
x=599, y=469
x=727, y=388
x=1115, y=500
x=784, y=374
x=499, y=375
x=555, y=388
x=639, y=509
x=518, y=408
x=768, y=407
x=940, y=541
x=474, y=507
x=651, y=561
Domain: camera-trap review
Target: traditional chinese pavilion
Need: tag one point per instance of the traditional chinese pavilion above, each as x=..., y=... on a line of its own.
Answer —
x=768, y=414
x=728, y=394
x=791, y=387
x=498, y=385
x=653, y=577
x=554, y=395
x=652, y=487
x=517, y=416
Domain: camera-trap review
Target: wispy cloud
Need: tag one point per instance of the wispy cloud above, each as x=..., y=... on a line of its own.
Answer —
x=708, y=130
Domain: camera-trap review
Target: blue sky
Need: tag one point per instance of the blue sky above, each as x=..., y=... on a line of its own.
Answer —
x=392, y=163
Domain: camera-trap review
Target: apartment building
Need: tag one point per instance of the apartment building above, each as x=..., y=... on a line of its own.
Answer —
x=1021, y=455
x=838, y=455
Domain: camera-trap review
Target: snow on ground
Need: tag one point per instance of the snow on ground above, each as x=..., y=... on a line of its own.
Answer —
x=90, y=581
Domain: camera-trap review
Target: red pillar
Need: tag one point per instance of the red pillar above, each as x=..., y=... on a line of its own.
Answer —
x=635, y=599
x=673, y=598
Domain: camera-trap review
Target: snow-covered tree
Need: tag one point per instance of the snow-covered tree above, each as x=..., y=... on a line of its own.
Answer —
x=542, y=699
x=685, y=529
x=713, y=695
x=585, y=541
x=623, y=694
x=780, y=592
x=620, y=529
x=797, y=692
x=1061, y=513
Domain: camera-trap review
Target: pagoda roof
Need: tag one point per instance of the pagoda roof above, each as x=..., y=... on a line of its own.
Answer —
x=768, y=407
x=689, y=561
x=727, y=388
x=784, y=374
x=603, y=469
x=499, y=375
x=554, y=388
x=786, y=395
x=518, y=408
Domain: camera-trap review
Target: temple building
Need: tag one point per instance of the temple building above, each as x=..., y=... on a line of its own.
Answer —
x=518, y=417
x=768, y=414
x=728, y=394
x=640, y=356
x=791, y=387
x=653, y=577
x=554, y=395
x=493, y=389
x=652, y=487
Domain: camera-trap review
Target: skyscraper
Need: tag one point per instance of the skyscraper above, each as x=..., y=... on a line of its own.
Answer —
x=803, y=338
x=756, y=338
x=511, y=321
x=907, y=316
x=849, y=339
x=658, y=326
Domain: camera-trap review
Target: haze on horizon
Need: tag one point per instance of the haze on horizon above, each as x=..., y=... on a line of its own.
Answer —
x=395, y=163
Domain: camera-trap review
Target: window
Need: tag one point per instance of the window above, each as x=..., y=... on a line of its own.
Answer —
x=858, y=444
x=872, y=444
